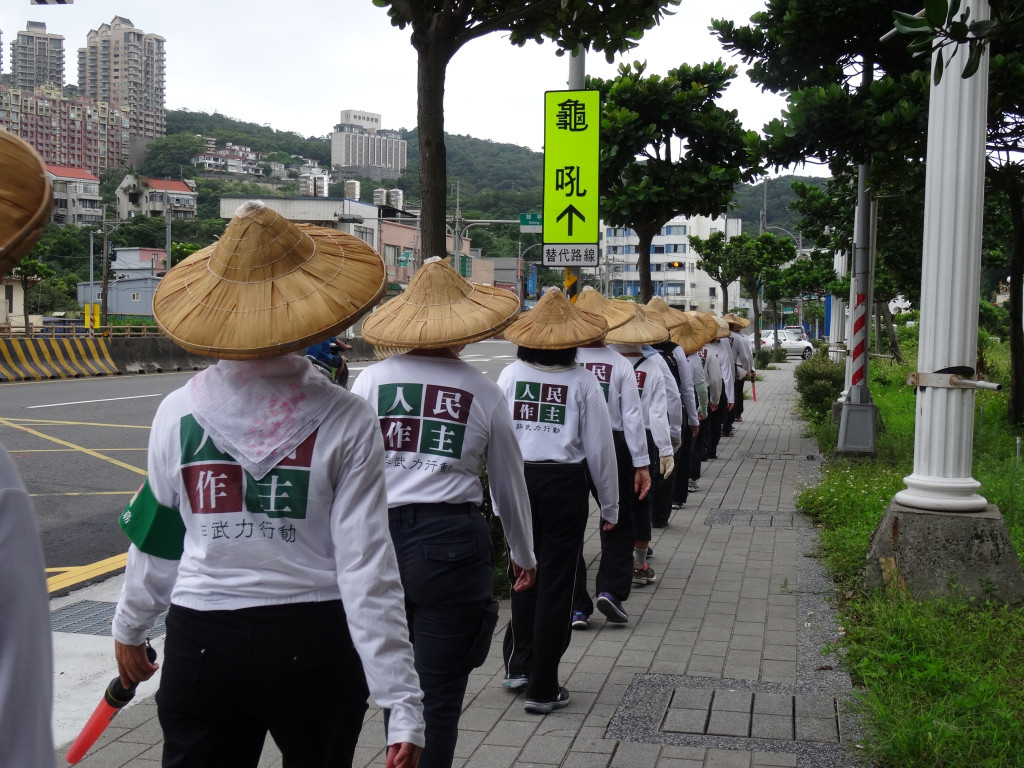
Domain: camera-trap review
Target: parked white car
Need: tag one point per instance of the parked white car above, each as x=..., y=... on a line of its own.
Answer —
x=788, y=340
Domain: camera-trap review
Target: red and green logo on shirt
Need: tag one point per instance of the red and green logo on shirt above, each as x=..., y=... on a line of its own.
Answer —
x=423, y=418
x=542, y=403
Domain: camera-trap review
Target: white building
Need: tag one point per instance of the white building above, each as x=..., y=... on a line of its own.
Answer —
x=674, y=270
x=360, y=145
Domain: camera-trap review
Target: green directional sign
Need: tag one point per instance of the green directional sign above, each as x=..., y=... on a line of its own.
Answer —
x=530, y=222
x=571, y=143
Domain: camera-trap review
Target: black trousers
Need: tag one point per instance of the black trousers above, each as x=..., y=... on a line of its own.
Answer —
x=717, y=419
x=684, y=467
x=229, y=677
x=540, y=628
x=446, y=561
x=615, y=568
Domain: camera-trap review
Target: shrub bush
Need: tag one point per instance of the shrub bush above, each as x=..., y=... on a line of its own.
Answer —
x=779, y=355
x=819, y=382
x=762, y=358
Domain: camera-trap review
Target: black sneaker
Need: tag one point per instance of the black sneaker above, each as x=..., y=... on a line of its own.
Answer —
x=644, y=576
x=543, y=707
x=612, y=609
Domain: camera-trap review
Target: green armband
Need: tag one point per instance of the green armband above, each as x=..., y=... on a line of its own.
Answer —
x=153, y=528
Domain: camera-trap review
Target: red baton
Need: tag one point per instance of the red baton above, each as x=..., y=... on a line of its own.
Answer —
x=114, y=699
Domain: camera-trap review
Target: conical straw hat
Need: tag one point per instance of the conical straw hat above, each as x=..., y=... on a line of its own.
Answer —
x=642, y=329
x=694, y=332
x=723, y=328
x=440, y=308
x=738, y=320
x=615, y=312
x=25, y=199
x=555, y=323
x=670, y=317
x=267, y=287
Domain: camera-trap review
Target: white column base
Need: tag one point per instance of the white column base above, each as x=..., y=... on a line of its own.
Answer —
x=943, y=494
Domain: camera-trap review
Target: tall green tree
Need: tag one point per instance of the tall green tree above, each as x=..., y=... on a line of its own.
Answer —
x=669, y=149
x=440, y=29
x=171, y=155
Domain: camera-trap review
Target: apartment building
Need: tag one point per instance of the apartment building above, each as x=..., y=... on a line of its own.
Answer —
x=37, y=58
x=76, y=196
x=139, y=196
x=674, y=271
x=360, y=145
x=124, y=66
x=78, y=133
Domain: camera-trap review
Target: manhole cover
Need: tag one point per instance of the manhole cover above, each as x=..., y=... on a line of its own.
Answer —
x=92, y=617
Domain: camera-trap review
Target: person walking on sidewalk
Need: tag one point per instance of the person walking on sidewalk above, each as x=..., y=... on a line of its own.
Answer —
x=718, y=358
x=744, y=357
x=263, y=520
x=562, y=425
x=442, y=421
x=614, y=578
x=627, y=340
x=679, y=374
x=691, y=337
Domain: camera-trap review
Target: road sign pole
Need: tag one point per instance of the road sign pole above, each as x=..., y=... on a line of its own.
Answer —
x=577, y=75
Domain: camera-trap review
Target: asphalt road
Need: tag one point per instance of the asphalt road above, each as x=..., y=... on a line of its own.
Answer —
x=80, y=445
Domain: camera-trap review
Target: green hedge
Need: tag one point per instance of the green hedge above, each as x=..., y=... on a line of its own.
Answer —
x=819, y=381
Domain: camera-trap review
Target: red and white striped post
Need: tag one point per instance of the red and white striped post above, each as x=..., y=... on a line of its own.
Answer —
x=858, y=357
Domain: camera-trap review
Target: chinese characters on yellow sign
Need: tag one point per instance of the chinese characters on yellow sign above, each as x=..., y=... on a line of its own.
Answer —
x=571, y=141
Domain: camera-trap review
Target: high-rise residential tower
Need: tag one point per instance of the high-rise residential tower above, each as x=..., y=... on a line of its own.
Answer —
x=123, y=66
x=37, y=57
x=360, y=144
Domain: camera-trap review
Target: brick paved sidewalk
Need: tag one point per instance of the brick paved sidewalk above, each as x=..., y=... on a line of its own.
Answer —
x=720, y=665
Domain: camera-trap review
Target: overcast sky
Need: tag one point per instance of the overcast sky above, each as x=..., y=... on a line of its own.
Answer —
x=295, y=65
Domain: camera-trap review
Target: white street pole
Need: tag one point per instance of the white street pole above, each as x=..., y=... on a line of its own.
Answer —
x=950, y=278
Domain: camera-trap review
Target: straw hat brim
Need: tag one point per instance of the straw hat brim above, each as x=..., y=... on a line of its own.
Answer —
x=25, y=199
x=268, y=314
x=692, y=333
x=440, y=308
x=555, y=323
x=670, y=317
x=644, y=328
x=738, y=320
x=615, y=312
x=723, y=328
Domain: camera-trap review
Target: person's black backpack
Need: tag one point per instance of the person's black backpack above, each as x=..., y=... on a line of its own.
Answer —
x=665, y=350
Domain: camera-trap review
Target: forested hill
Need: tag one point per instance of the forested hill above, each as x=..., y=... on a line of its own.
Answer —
x=495, y=180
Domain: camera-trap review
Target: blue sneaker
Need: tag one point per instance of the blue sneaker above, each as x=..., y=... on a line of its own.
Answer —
x=610, y=606
x=580, y=620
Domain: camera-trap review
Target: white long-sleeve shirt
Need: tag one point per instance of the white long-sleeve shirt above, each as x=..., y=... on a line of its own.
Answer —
x=26, y=647
x=673, y=400
x=560, y=415
x=686, y=386
x=651, y=382
x=741, y=354
x=615, y=375
x=314, y=528
x=441, y=419
x=700, y=381
x=713, y=370
x=728, y=367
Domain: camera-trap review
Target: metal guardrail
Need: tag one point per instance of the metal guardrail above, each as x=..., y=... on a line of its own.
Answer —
x=62, y=331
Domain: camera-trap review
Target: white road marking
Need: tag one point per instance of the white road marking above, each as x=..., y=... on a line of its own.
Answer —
x=84, y=402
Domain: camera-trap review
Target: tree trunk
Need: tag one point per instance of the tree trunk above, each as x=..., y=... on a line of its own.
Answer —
x=725, y=297
x=643, y=263
x=894, y=343
x=1015, y=408
x=434, y=54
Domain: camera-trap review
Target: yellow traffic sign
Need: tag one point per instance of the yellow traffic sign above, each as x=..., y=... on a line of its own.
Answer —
x=572, y=122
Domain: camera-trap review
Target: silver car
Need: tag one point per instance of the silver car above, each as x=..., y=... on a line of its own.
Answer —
x=788, y=340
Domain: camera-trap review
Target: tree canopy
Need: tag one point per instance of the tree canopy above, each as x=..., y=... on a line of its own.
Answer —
x=439, y=30
x=668, y=149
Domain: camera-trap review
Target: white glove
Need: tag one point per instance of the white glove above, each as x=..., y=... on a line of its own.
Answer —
x=667, y=465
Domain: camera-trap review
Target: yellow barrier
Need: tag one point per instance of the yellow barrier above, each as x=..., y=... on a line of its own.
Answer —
x=30, y=359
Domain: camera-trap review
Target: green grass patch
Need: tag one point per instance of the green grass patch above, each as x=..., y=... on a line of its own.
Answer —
x=942, y=681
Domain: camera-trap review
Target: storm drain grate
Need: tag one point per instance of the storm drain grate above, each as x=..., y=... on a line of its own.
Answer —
x=751, y=715
x=740, y=715
x=92, y=617
x=777, y=456
x=756, y=518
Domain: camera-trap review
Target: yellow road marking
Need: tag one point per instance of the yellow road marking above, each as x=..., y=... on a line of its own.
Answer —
x=87, y=451
x=69, y=450
x=77, y=423
x=68, y=577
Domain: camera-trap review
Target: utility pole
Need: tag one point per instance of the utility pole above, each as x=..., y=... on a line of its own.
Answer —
x=106, y=271
x=167, y=219
x=571, y=280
